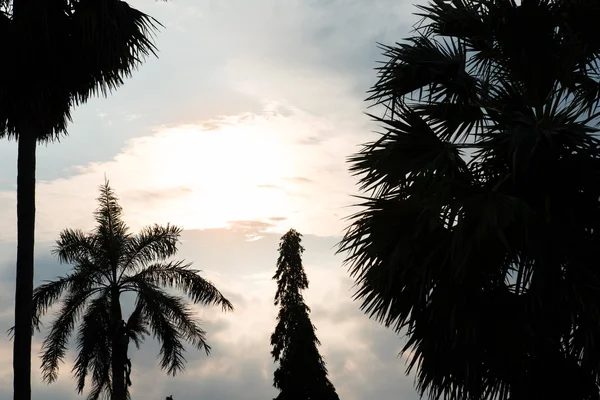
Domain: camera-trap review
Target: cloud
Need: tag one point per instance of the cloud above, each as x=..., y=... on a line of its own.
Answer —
x=299, y=179
x=246, y=96
x=225, y=58
x=206, y=174
x=252, y=230
x=249, y=226
x=159, y=195
x=311, y=141
x=271, y=187
x=277, y=219
x=360, y=354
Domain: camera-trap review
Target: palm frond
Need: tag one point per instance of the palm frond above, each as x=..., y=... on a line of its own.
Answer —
x=482, y=213
x=152, y=244
x=109, y=214
x=36, y=326
x=580, y=32
x=93, y=342
x=387, y=262
x=409, y=147
x=464, y=19
x=44, y=296
x=103, y=261
x=73, y=246
x=101, y=382
x=47, y=294
x=55, y=345
x=454, y=122
x=587, y=91
x=111, y=232
x=432, y=70
x=101, y=378
x=113, y=39
x=178, y=275
x=136, y=326
x=171, y=321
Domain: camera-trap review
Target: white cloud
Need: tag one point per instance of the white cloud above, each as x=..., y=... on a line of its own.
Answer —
x=360, y=354
x=248, y=115
x=205, y=175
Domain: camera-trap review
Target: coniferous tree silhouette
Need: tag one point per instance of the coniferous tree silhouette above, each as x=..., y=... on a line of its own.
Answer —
x=302, y=374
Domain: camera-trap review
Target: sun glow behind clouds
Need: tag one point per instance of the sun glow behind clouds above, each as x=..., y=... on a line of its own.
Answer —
x=272, y=168
x=221, y=171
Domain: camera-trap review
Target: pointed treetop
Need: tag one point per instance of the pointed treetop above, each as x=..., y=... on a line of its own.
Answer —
x=302, y=373
x=290, y=274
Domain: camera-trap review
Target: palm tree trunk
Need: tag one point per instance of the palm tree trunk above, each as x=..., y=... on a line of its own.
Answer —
x=119, y=391
x=25, y=251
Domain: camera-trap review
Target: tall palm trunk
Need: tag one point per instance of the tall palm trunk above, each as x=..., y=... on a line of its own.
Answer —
x=25, y=249
x=119, y=391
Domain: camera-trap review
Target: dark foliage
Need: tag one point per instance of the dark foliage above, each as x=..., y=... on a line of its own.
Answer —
x=106, y=263
x=479, y=228
x=302, y=374
x=56, y=54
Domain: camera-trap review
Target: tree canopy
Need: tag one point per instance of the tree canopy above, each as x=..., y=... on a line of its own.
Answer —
x=56, y=54
x=105, y=264
x=478, y=228
x=61, y=53
x=301, y=374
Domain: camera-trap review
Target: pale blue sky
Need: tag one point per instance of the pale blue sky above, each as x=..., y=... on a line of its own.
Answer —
x=237, y=132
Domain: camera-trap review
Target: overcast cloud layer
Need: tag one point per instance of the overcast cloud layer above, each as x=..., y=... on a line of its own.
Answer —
x=239, y=131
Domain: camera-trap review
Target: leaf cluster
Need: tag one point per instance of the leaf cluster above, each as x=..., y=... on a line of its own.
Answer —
x=302, y=374
x=105, y=264
x=478, y=227
x=58, y=53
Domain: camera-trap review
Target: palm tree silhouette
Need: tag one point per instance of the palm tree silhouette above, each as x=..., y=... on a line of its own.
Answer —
x=480, y=230
x=106, y=263
x=61, y=52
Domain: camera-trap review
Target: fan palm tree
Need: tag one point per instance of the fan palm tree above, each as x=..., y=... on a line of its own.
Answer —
x=478, y=232
x=107, y=263
x=57, y=53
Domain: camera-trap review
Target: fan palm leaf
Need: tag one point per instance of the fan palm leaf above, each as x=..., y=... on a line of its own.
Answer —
x=478, y=227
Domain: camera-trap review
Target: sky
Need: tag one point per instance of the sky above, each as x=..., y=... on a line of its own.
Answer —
x=237, y=132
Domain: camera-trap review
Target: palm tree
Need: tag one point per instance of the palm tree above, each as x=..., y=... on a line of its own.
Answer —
x=478, y=232
x=57, y=54
x=107, y=263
